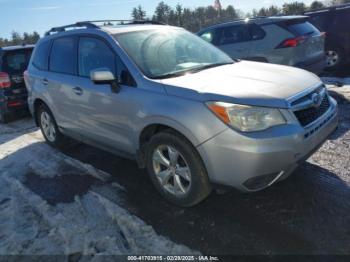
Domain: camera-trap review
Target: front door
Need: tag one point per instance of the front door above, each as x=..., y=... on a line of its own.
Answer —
x=101, y=113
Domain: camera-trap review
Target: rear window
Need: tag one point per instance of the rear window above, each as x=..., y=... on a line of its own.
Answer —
x=16, y=62
x=304, y=28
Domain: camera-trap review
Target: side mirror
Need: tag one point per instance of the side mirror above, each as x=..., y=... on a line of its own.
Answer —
x=103, y=76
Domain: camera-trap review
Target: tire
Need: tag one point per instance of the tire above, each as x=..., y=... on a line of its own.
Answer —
x=187, y=189
x=335, y=58
x=58, y=140
x=4, y=119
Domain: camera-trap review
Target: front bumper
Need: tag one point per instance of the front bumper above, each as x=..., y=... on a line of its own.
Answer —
x=235, y=159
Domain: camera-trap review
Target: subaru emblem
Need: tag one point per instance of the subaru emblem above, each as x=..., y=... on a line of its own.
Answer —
x=317, y=99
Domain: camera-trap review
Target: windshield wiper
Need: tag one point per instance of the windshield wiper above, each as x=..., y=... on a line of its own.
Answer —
x=198, y=69
x=191, y=70
x=181, y=73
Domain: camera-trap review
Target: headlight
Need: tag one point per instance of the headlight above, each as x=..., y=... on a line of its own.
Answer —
x=247, y=118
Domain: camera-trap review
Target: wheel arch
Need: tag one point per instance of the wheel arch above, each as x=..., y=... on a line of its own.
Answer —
x=36, y=105
x=150, y=129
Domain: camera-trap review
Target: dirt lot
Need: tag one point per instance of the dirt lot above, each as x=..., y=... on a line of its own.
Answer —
x=309, y=213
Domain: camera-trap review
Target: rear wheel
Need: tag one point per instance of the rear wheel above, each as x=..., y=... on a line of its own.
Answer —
x=177, y=170
x=49, y=128
x=335, y=57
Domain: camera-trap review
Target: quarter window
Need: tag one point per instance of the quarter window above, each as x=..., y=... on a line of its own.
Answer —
x=94, y=54
x=41, y=55
x=63, y=56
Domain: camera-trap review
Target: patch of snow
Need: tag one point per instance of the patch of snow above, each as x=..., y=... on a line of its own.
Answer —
x=89, y=225
x=336, y=80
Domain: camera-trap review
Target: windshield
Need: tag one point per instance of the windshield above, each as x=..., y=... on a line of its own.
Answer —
x=171, y=52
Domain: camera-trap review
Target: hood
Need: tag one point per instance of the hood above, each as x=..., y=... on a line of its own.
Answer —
x=244, y=82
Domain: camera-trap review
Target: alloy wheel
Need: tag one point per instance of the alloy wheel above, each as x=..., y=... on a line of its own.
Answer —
x=332, y=58
x=171, y=170
x=48, y=126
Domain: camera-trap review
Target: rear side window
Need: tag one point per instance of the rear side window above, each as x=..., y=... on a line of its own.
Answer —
x=41, y=56
x=16, y=62
x=233, y=34
x=302, y=29
x=94, y=54
x=256, y=32
x=63, y=56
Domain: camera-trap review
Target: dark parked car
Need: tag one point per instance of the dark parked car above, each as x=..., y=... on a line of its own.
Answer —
x=335, y=22
x=13, y=93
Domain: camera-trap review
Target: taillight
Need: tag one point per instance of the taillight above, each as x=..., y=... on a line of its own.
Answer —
x=5, y=81
x=13, y=103
x=292, y=42
x=26, y=75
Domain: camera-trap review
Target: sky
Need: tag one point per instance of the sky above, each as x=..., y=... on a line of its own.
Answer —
x=41, y=15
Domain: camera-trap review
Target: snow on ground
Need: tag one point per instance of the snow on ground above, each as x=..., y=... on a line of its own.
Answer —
x=37, y=219
x=336, y=80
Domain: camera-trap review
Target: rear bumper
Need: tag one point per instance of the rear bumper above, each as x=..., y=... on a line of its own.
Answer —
x=251, y=162
x=13, y=106
x=316, y=65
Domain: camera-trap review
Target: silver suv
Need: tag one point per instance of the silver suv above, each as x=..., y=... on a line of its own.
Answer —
x=179, y=106
x=285, y=40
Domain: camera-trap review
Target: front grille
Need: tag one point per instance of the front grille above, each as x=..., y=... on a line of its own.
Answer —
x=309, y=115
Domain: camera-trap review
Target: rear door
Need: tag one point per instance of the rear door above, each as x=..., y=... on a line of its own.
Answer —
x=61, y=81
x=235, y=40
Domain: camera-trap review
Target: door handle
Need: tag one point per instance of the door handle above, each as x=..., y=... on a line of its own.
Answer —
x=45, y=82
x=78, y=91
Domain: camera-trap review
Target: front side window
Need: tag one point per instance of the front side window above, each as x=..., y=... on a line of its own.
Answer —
x=208, y=36
x=94, y=54
x=63, y=56
x=170, y=52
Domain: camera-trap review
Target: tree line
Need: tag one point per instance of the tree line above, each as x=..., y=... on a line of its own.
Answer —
x=18, y=39
x=201, y=17
x=194, y=19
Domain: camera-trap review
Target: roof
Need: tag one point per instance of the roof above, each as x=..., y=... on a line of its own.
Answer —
x=17, y=47
x=132, y=28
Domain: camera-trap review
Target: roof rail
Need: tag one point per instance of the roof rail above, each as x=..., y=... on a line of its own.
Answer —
x=93, y=24
x=76, y=25
x=124, y=22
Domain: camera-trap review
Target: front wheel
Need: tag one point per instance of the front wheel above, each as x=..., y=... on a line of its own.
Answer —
x=176, y=169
